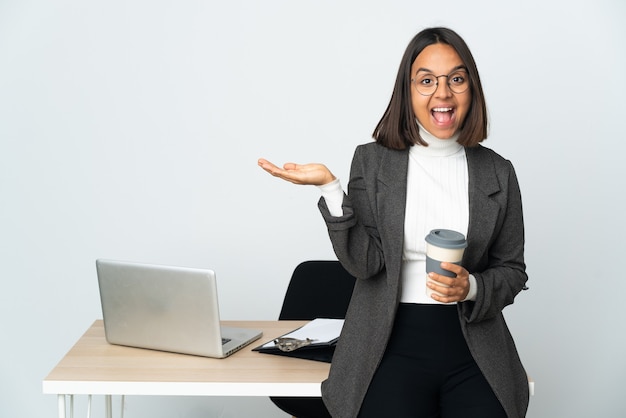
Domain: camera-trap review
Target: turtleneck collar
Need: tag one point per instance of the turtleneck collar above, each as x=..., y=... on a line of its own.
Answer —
x=436, y=147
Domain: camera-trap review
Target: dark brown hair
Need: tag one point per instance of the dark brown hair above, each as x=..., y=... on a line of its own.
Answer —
x=398, y=128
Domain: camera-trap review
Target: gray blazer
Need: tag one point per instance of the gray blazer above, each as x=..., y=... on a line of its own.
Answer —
x=368, y=240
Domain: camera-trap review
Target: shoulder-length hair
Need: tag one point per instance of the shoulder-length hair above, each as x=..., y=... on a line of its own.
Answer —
x=398, y=128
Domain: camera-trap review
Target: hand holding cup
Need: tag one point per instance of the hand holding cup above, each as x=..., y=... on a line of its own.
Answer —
x=447, y=280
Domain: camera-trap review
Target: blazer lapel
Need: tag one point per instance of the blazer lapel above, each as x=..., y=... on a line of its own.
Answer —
x=483, y=211
x=391, y=202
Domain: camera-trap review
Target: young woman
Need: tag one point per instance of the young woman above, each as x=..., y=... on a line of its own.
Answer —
x=404, y=352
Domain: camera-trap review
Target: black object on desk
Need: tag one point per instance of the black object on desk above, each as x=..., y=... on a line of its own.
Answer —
x=314, y=341
x=318, y=289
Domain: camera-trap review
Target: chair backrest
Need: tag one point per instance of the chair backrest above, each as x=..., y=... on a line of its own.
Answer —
x=318, y=289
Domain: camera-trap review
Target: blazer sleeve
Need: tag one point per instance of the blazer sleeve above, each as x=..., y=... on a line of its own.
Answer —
x=354, y=236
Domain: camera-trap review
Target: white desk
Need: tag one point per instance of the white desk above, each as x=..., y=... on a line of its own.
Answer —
x=95, y=367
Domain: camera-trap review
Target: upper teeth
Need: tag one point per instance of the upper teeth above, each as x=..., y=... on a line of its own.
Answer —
x=442, y=109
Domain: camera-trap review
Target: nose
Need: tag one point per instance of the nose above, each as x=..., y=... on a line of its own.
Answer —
x=443, y=89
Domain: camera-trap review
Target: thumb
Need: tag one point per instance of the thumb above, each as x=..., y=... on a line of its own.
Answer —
x=290, y=166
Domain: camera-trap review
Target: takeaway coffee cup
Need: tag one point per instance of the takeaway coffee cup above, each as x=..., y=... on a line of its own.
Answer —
x=443, y=245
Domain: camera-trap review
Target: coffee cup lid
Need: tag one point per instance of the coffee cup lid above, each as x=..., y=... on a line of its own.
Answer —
x=446, y=238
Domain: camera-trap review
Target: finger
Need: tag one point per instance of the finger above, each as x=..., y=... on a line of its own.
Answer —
x=448, y=289
x=265, y=163
x=274, y=169
x=445, y=294
x=442, y=297
x=441, y=279
x=454, y=268
x=267, y=166
x=288, y=175
x=444, y=290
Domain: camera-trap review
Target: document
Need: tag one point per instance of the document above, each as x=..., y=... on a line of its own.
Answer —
x=320, y=330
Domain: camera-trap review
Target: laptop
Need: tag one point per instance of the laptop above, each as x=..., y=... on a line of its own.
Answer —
x=166, y=308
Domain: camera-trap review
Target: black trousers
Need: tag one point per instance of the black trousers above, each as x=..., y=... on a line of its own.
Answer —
x=428, y=372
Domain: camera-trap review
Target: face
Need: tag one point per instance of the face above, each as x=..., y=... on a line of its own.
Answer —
x=443, y=112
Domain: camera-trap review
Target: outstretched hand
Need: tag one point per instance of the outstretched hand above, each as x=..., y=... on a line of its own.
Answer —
x=310, y=174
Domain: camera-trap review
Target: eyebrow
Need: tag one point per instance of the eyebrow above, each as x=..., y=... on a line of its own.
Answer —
x=426, y=70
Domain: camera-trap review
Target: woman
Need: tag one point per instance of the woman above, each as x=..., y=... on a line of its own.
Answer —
x=403, y=352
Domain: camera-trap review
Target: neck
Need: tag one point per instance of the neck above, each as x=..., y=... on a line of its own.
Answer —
x=437, y=146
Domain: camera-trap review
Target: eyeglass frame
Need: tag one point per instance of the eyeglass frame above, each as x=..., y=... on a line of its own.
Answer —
x=437, y=77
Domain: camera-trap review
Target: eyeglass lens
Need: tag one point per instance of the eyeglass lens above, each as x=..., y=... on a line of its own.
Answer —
x=426, y=83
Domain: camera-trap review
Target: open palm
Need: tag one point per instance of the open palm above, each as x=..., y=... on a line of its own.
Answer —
x=310, y=174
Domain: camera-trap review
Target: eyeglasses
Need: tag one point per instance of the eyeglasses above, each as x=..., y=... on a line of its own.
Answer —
x=287, y=344
x=426, y=84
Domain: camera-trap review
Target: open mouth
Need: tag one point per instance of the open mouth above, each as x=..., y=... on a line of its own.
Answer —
x=443, y=115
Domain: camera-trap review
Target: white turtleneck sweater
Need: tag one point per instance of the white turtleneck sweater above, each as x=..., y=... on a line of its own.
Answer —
x=437, y=197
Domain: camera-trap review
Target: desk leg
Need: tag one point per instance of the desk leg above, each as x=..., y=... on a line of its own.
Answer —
x=108, y=406
x=61, y=405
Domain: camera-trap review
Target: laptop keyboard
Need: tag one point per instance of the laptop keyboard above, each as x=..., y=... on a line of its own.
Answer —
x=225, y=340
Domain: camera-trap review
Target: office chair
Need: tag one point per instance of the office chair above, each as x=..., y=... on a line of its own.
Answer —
x=317, y=289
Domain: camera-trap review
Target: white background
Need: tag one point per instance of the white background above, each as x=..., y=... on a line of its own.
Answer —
x=131, y=129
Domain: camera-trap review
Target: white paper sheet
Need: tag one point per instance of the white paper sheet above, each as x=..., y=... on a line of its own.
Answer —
x=321, y=330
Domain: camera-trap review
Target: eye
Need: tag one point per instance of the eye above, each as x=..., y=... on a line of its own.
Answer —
x=427, y=80
x=458, y=79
